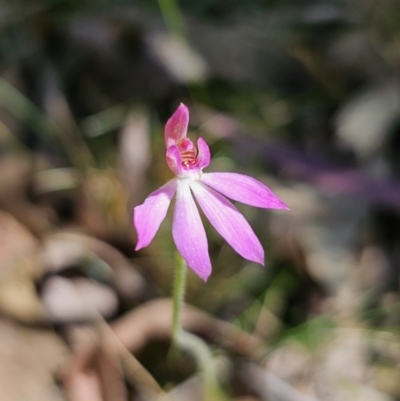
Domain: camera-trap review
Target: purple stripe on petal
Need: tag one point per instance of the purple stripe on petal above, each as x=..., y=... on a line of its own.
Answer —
x=229, y=222
x=148, y=216
x=177, y=125
x=188, y=232
x=204, y=156
x=243, y=188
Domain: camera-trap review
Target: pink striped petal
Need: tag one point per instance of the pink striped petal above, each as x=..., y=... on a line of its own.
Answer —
x=177, y=125
x=229, y=222
x=174, y=159
x=243, y=188
x=203, y=156
x=148, y=216
x=188, y=232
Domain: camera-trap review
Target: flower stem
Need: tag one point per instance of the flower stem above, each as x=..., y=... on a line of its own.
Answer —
x=178, y=295
x=190, y=342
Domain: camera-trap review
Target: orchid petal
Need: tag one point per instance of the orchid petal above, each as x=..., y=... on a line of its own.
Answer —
x=188, y=232
x=148, y=216
x=203, y=156
x=229, y=222
x=174, y=160
x=177, y=125
x=243, y=188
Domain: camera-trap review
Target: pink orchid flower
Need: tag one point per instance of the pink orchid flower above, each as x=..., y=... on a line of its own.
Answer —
x=208, y=189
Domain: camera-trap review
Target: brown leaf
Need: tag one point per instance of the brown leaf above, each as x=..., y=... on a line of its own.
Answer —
x=20, y=266
x=28, y=360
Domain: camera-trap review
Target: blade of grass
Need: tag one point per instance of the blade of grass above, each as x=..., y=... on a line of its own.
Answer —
x=23, y=109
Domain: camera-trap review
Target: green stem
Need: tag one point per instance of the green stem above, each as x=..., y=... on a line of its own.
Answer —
x=172, y=17
x=178, y=295
x=203, y=357
x=188, y=341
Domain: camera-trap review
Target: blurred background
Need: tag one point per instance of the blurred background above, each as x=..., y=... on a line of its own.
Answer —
x=303, y=95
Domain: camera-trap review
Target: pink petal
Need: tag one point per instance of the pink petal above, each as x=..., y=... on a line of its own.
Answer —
x=243, y=188
x=188, y=232
x=229, y=222
x=177, y=125
x=203, y=156
x=148, y=216
x=173, y=158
